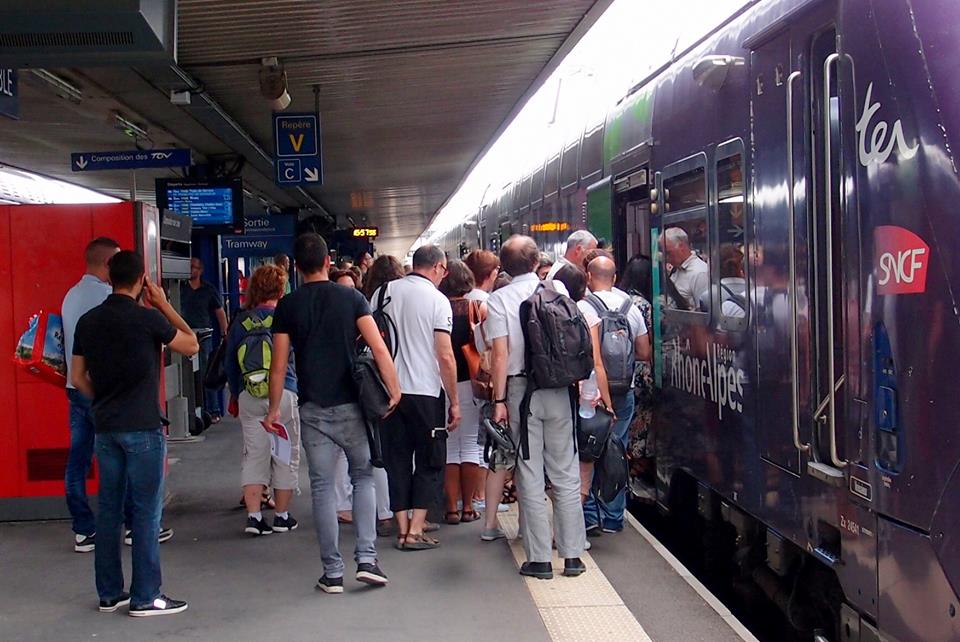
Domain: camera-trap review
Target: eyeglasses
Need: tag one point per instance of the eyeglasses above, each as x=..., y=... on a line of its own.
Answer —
x=443, y=267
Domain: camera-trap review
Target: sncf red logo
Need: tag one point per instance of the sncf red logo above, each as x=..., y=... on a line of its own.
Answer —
x=901, y=259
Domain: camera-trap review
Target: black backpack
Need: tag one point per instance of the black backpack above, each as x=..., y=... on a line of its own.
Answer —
x=616, y=344
x=611, y=471
x=559, y=352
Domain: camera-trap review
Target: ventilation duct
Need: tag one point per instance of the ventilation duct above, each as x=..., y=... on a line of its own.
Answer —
x=69, y=33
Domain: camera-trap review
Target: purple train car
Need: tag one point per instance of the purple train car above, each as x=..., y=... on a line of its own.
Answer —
x=794, y=178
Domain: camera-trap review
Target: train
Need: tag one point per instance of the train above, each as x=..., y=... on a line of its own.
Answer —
x=809, y=441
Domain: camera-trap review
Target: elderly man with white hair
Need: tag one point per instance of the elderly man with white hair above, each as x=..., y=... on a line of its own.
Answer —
x=689, y=274
x=578, y=244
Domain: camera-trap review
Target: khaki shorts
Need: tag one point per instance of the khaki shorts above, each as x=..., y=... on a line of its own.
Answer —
x=257, y=465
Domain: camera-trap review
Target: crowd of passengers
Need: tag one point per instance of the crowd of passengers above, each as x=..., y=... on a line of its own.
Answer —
x=426, y=327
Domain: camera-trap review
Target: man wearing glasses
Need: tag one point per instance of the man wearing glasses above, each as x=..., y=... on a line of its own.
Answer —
x=417, y=430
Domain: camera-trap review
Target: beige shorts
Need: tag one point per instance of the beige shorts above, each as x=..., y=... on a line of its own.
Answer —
x=257, y=465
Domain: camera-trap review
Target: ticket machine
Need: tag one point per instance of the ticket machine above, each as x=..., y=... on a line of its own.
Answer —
x=41, y=257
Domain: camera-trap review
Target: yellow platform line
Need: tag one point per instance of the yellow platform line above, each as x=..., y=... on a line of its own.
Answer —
x=576, y=609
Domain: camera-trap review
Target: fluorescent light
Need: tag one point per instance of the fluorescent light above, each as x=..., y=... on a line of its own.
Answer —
x=26, y=188
x=63, y=87
x=130, y=128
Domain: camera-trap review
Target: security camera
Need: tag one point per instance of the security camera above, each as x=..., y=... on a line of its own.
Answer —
x=273, y=84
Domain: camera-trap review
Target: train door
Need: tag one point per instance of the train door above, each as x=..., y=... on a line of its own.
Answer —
x=631, y=222
x=806, y=233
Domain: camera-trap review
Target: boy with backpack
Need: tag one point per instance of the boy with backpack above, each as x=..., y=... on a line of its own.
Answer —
x=541, y=347
x=623, y=341
x=247, y=365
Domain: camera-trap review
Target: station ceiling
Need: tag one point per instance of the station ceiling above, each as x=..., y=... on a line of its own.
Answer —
x=411, y=92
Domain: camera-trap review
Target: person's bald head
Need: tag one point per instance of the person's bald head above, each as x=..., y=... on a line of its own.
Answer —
x=601, y=274
x=98, y=253
x=519, y=255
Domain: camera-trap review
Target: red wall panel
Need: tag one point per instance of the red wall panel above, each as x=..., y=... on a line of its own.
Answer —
x=11, y=462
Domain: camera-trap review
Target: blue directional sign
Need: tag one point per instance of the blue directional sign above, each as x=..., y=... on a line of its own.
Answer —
x=133, y=159
x=296, y=150
x=263, y=236
x=9, y=98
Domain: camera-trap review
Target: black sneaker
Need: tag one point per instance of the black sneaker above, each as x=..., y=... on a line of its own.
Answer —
x=165, y=535
x=539, y=570
x=83, y=543
x=163, y=605
x=282, y=525
x=594, y=530
x=257, y=527
x=109, y=606
x=330, y=584
x=371, y=574
x=573, y=567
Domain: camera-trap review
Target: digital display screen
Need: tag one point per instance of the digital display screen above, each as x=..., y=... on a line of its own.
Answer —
x=205, y=205
x=366, y=232
x=215, y=205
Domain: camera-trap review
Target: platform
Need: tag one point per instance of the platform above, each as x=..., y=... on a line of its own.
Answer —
x=243, y=588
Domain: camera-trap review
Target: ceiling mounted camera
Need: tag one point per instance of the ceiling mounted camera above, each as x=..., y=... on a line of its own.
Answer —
x=273, y=84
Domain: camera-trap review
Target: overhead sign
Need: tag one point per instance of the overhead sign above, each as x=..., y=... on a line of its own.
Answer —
x=263, y=236
x=550, y=226
x=133, y=159
x=365, y=232
x=9, y=97
x=296, y=150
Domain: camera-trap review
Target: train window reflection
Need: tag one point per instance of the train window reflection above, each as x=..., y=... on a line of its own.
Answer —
x=684, y=252
x=731, y=269
x=686, y=190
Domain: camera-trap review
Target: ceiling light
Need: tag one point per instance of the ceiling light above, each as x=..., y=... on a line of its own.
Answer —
x=273, y=84
x=62, y=87
x=130, y=128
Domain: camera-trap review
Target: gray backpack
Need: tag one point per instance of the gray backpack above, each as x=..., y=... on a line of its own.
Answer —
x=616, y=344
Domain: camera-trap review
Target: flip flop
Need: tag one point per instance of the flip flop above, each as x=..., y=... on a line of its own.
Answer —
x=419, y=542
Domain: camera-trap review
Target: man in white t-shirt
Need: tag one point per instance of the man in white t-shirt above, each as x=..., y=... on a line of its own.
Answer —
x=426, y=368
x=578, y=244
x=601, y=275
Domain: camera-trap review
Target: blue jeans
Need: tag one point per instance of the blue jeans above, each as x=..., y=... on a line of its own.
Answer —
x=211, y=398
x=134, y=460
x=325, y=433
x=610, y=514
x=78, y=466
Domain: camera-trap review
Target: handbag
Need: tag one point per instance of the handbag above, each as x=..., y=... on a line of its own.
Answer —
x=40, y=349
x=374, y=400
x=478, y=363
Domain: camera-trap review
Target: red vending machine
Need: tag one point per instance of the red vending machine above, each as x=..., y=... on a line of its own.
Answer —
x=41, y=257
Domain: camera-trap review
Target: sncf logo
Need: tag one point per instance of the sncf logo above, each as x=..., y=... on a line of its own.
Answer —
x=902, y=258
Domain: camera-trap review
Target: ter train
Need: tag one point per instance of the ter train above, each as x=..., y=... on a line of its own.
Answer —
x=811, y=435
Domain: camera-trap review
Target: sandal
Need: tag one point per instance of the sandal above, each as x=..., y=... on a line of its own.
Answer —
x=401, y=541
x=468, y=516
x=419, y=542
x=266, y=501
x=452, y=517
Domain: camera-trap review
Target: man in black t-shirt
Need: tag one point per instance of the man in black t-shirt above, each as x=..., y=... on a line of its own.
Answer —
x=323, y=322
x=116, y=363
x=202, y=309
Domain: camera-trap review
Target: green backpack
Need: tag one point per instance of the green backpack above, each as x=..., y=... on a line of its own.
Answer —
x=255, y=352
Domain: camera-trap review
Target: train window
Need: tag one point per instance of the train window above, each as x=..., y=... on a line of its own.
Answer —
x=551, y=177
x=569, y=166
x=685, y=190
x=524, y=194
x=684, y=252
x=536, y=187
x=731, y=267
x=591, y=154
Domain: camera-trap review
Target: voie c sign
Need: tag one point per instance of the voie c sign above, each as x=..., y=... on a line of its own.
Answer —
x=901, y=260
